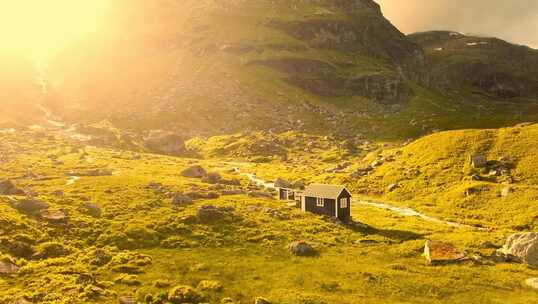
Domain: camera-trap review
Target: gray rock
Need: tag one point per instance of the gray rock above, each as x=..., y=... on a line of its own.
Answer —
x=209, y=213
x=92, y=209
x=301, y=248
x=212, y=178
x=7, y=187
x=521, y=247
x=30, y=206
x=181, y=199
x=194, y=172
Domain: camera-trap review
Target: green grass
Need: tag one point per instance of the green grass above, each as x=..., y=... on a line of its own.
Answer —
x=153, y=246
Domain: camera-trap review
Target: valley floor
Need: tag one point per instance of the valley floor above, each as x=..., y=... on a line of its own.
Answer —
x=141, y=244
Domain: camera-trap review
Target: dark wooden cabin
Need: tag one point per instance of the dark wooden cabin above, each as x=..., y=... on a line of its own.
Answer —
x=286, y=194
x=330, y=200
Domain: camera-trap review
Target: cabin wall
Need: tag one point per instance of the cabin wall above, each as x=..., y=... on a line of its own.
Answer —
x=328, y=209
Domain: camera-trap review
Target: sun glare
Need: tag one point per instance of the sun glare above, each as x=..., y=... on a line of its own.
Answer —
x=41, y=28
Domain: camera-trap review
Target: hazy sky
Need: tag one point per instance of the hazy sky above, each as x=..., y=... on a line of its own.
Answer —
x=512, y=20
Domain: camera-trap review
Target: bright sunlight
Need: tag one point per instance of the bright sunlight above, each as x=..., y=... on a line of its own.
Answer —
x=39, y=29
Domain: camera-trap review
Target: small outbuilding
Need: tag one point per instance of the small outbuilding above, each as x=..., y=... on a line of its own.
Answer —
x=286, y=194
x=330, y=200
x=478, y=161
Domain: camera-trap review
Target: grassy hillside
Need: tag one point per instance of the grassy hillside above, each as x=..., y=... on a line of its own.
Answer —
x=434, y=175
x=121, y=236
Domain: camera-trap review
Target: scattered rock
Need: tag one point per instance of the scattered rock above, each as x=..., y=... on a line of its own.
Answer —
x=212, y=178
x=183, y=294
x=522, y=248
x=8, y=268
x=301, y=248
x=181, y=199
x=437, y=253
x=53, y=215
x=30, y=206
x=7, y=187
x=194, y=172
x=533, y=283
x=92, y=209
x=209, y=213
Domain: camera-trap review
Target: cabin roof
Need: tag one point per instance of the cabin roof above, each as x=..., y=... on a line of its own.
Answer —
x=325, y=191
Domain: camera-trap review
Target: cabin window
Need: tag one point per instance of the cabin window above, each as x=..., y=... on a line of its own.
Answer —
x=343, y=203
x=320, y=202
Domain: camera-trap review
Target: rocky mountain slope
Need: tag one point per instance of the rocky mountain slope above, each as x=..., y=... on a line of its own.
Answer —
x=488, y=66
x=218, y=67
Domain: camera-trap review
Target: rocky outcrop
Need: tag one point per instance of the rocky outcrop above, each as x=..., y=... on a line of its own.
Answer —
x=492, y=66
x=522, y=248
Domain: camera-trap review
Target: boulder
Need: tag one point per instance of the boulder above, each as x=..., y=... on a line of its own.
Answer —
x=55, y=216
x=301, y=248
x=194, y=172
x=30, y=206
x=209, y=213
x=212, y=178
x=184, y=294
x=7, y=187
x=180, y=199
x=8, y=268
x=282, y=183
x=532, y=283
x=522, y=248
x=299, y=184
x=92, y=209
x=437, y=252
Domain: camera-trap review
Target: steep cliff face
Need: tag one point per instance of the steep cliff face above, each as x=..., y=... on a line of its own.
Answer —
x=488, y=65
